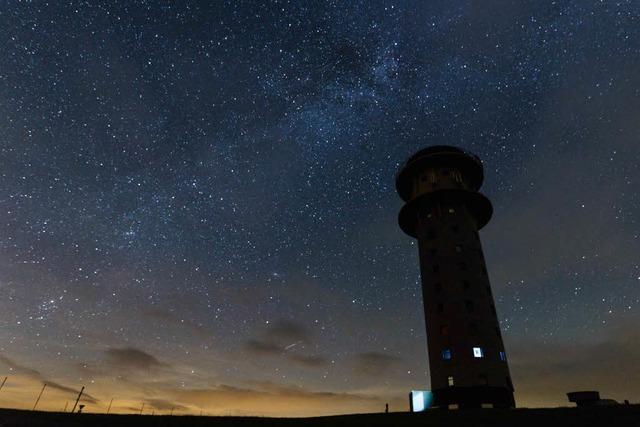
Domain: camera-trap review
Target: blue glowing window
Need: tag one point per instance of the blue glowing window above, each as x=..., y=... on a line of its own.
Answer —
x=503, y=356
x=477, y=352
x=446, y=354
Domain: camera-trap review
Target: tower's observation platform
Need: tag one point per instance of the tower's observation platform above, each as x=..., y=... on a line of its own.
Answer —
x=444, y=211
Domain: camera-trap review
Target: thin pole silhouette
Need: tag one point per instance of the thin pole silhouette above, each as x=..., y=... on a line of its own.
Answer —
x=77, y=400
x=65, y=406
x=172, y=410
x=109, y=408
x=141, y=409
x=39, y=396
x=3, y=381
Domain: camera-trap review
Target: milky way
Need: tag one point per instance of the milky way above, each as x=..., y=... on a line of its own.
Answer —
x=197, y=202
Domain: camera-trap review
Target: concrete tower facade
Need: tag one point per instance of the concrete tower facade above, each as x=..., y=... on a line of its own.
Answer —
x=444, y=211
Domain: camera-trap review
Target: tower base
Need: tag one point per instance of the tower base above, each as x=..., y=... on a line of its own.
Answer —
x=474, y=397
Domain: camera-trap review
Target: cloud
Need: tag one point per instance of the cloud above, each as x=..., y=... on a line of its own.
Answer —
x=164, y=405
x=37, y=375
x=374, y=363
x=272, y=399
x=279, y=339
x=132, y=358
x=285, y=330
x=310, y=361
x=259, y=347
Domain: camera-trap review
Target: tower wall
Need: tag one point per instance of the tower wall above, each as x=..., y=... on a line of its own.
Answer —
x=444, y=212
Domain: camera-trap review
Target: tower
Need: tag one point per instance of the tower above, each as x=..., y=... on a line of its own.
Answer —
x=443, y=210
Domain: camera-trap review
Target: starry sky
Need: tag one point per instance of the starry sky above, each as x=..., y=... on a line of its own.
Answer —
x=198, y=212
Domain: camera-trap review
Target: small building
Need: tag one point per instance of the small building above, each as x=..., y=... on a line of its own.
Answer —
x=589, y=398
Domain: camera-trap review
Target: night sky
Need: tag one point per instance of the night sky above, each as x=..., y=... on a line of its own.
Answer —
x=197, y=202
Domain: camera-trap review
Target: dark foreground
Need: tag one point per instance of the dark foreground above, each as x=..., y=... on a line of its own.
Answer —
x=628, y=415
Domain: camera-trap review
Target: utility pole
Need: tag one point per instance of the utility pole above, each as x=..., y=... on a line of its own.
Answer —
x=65, y=406
x=172, y=410
x=3, y=381
x=109, y=408
x=141, y=409
x=77, y=400
x=39, y=396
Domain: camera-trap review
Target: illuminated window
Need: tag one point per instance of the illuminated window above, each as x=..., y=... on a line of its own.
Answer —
x=450, y=381
x=452, y=210
x=446, y=354
x=503, y=356
x=477, y=352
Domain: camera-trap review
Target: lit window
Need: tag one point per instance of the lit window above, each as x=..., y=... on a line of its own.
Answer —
x=446, y=354
x=503, y=356
x=450, y=381
x=477, y=352
x=452, y=210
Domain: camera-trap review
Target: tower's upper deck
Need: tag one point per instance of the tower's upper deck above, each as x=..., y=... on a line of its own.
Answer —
x=439, y=167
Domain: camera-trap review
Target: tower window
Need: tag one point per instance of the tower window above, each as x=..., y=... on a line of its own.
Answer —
x=478, y=353
x=446, y=354
x=503, y=356
x=450, y=381
x=468, y=305
x=438, y=287
x=473, y=327
x=452, y=210
x=444, y=330
x=482, y=378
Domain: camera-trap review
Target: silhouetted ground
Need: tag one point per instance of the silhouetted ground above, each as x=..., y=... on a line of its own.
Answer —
x=567, y=417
